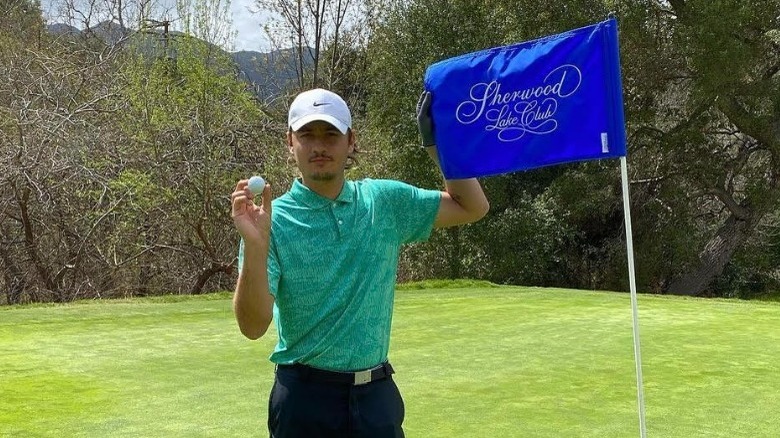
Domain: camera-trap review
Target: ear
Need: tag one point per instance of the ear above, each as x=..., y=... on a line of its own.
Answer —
x=352, y=139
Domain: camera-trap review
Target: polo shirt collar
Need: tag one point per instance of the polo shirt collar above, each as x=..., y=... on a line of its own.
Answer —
x=311, y=199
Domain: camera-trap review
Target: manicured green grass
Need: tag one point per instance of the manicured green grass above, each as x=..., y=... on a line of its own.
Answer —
x=471, y=362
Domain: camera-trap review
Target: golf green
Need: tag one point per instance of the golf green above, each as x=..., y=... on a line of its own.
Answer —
x=473, y=361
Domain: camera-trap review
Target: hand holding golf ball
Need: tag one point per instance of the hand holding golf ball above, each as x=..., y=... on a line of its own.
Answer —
x=256, y=185
x=251, y=210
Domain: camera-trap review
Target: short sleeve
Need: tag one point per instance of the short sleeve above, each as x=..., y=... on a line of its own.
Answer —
x=414, y=209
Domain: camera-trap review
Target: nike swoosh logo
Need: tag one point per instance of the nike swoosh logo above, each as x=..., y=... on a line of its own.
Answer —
x=320, y=103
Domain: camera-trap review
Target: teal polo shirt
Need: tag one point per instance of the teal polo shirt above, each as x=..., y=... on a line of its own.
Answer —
x=332, y=268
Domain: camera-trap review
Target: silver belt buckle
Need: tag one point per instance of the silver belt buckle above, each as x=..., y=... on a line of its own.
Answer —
x=362, y=377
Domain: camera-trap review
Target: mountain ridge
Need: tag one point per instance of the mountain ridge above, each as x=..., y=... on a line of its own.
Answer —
x=268, y=74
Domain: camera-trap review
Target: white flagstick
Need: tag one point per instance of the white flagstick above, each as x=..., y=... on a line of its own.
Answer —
x=634, y=310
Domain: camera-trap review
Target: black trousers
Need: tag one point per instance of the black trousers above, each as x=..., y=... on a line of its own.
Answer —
x=301, y=405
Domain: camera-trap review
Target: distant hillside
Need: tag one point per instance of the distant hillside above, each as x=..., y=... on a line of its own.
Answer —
x=108, y=31
x=62, y=29
x=269, y=73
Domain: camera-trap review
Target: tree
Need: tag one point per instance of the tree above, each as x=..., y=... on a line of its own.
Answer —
x=117, y=162
x=185, y=130
x=21, y=21
x=313, y=27
x=693, y=88
x=407, y=38
x=48, y=120
x=20, y=24
x=704, y=99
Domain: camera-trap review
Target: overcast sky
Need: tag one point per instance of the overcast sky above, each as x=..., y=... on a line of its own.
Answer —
x=247, y=25
x=249, y=33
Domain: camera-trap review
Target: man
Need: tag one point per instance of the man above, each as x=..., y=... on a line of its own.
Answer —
x=321, y=261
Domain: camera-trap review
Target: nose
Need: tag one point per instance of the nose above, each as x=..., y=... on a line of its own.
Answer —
x=318, y=144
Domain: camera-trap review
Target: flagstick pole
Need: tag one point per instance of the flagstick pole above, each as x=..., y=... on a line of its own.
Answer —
x=634, y=309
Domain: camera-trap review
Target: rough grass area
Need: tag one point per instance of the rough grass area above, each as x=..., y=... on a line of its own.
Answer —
x=474, y=361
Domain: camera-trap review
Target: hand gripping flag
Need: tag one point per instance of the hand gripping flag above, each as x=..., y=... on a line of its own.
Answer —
x=550, y=101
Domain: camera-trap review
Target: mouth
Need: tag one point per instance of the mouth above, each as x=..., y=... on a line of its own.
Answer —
x=320, y=159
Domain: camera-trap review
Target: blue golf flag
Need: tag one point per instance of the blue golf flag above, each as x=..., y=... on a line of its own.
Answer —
x=549, y=101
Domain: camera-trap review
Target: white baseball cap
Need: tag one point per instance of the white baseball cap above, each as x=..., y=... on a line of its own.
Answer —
x=319, y=104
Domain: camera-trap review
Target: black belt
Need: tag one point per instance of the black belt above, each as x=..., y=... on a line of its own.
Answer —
x=379, y=372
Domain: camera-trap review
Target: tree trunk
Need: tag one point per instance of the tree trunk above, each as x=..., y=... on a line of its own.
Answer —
x=209, y=272
x=30, y=244
x=716, y=254
x=14, y=279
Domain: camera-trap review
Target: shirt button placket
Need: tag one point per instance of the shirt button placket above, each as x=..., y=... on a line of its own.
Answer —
x=339, y=221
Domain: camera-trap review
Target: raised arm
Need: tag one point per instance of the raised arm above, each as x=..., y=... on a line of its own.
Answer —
x=252, y=301
x=462, y=200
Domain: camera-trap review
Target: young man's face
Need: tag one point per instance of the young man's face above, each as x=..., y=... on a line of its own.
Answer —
x=320, y=150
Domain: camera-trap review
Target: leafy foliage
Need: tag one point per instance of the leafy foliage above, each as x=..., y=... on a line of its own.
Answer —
x=701, y=101
x=120, y=164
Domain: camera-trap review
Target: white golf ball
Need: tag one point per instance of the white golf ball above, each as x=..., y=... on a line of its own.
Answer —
x=256, y=184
